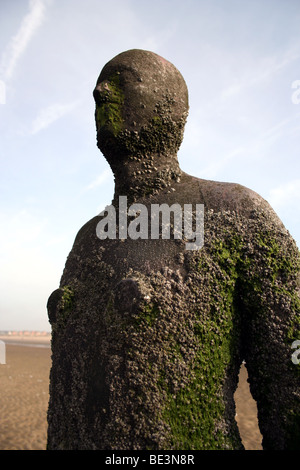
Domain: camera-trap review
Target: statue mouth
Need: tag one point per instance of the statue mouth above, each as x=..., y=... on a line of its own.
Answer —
x=106, y=96
x=103, y=99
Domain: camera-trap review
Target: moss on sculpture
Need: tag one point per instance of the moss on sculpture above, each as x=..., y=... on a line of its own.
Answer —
x=110, y=112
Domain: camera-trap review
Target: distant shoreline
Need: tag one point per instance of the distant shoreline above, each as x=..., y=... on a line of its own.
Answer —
x=30, y=340
x=27, y=344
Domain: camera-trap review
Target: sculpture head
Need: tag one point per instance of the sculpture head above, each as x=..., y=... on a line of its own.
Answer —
x=141, y=107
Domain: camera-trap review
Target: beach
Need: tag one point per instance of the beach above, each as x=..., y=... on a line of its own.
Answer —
x=24, y=395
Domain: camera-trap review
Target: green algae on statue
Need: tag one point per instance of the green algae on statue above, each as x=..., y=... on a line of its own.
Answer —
x=148, y=337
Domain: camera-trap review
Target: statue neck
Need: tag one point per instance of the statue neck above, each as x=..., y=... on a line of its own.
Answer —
x=138, y=177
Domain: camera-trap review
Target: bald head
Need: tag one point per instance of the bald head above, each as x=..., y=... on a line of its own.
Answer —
x=141, y=104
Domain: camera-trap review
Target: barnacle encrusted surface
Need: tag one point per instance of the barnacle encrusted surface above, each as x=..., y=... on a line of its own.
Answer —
x=148, y=337
x=151, y=357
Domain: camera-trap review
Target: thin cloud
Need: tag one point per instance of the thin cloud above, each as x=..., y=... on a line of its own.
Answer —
x=18, y=44
x=50, y=114
x=263, y=72
x=213, y=169
x=284, y=194
x=104, y=176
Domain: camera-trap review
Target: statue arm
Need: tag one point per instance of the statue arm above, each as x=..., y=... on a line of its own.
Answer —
x=271, y=310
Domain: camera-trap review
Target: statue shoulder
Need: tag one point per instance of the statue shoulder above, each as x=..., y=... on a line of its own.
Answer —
x=87, y=231
x=238, y=198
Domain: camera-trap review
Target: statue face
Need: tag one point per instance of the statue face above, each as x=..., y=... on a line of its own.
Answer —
x=109, y=106
x=136, y=91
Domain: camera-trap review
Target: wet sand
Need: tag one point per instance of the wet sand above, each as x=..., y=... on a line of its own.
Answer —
x=24, y=395
x=246, y=414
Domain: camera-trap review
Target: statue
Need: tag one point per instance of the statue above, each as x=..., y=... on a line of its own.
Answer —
x=147, y=336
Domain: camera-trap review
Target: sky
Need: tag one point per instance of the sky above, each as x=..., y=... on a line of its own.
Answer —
x=240, y=60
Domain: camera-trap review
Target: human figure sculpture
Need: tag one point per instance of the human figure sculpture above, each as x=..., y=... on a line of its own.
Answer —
x=147, y=336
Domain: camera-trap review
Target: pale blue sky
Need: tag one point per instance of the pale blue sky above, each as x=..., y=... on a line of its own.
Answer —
x=239, y=59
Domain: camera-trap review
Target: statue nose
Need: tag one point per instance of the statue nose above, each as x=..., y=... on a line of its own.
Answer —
x=101, y=92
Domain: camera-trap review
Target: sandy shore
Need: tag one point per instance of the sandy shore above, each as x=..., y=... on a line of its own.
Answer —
x=24, y=385
x=246, y=414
